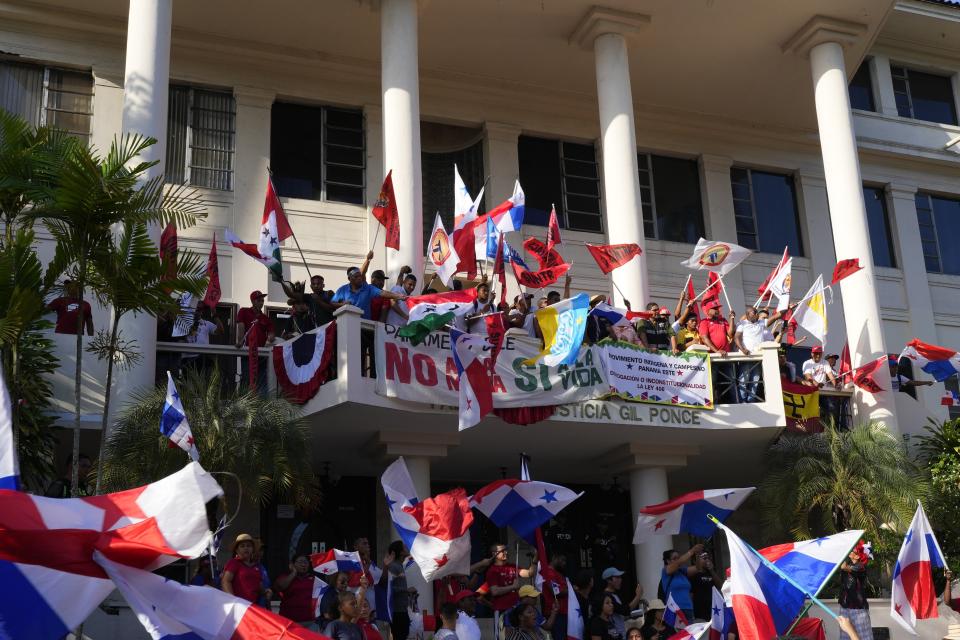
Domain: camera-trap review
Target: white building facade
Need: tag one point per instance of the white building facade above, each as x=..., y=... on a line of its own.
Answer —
x=828, y=127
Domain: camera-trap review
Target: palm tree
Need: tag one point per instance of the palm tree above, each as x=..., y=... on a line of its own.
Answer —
x=263, y=441
x=861, y=478
x=132, y=277
x=939, y=453
x=91, y=195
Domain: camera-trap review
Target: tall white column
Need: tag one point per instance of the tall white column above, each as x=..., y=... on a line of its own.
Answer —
x=145, y=88
x=401, y=127
x=823, y=38
x=648, y=485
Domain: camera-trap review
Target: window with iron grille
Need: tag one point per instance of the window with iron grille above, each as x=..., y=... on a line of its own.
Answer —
x=48, y=96
x=561, y=174
x=318, y=153
x=441, y=147
x=939, y=220
x=765, y=211
x=670, y=196
x=923, y=96
x=201, y=132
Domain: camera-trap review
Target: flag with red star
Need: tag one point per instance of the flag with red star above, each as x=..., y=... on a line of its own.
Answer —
x=173, y=422
x=688, y=513
x=473, y=355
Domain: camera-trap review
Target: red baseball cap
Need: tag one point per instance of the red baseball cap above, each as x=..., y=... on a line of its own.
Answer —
x=460, y=595
x=257, y=294
x=713, y=304
x=816, y=350
x=664, y=311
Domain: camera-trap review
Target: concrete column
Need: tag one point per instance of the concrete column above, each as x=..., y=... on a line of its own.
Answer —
x=250, y=186
x=145, y=88
x=720, y=222
x=648, y=485
x=906, y=231
x=401, y=127
x=823, y=39
x=882, y=80
x=501, y=159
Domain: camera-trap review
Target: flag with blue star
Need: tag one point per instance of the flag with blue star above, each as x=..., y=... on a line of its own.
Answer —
x=522, y=505
x=173, y=422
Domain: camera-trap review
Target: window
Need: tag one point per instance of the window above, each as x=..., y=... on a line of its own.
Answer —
x=939, y=220
x=201, y=127
x=881, y=241
x=318, y=153
x=765, y=210
x=48, y=96
x=670, y=193
x=923, y=96
x=561, y=174
x=442, y=146
x=861, y=89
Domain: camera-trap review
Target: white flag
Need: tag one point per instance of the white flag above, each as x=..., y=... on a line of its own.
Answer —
x=441, y=252
x=720, y=257
x=780, y=285
x=811, y=313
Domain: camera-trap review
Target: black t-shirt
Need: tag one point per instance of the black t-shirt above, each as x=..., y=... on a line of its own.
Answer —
x=604, y=629
x=701, y=591
x=853, y=588
x=649, y=632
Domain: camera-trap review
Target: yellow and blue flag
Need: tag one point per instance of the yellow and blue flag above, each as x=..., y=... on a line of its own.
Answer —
x=562, y=326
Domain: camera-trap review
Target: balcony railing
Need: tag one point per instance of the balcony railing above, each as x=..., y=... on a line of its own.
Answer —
x=232, y=363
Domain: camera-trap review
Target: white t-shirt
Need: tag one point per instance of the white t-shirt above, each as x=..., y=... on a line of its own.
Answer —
x=393, y=317
x=467, y=627
x=818, y=370
x=445, y=634
x=753, y=334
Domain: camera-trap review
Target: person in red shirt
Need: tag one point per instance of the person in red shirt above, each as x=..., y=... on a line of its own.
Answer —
x=254, y=330
x=717, y=331
x=241, y=576
x=67, y=307
x=504, y=579
x=296, y=590
x=379, y=305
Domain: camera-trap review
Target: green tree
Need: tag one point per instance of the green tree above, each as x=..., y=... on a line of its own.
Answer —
x=836, y=480
x=939, y=453
x=263, y=441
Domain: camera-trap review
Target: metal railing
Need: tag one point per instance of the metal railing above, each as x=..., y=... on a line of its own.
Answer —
x=233, y=364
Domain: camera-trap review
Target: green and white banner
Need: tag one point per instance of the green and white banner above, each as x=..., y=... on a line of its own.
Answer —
x=638, y=375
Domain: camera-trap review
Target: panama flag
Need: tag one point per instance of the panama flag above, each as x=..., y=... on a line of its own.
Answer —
x=465, y=223
x=691, y=631
x=9, y=467
x=688, y=513
x=173, y=421
x=522, y=505
x=508, y=215
x=764, y=604
x=441, y=252
x=471, y=355
x=912, y=595
x=939, y=362
x=720, y=257
x=811, y=312
x=335, y=560
x=574, y=615
x=435, y=530
x=673, y=615
x=812, y=563
x=718, y=616
x=169, y=610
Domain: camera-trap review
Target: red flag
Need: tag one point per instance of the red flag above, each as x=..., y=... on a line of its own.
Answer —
x=611, y=256
x=863, y=376
x=547, y=257
x=845, y=268
x=691, y=294
x=271, y=205
x=496, y=330
x=846, y=367
x=385, y=211
x=712, y=294
x=763, y=291
x=168, y=251
x=498, y=268
x=213, y=277
x=553, y=230
x=464, y=241
x=539, y=279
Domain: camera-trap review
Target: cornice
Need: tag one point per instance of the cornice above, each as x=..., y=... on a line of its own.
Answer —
x=820, y=29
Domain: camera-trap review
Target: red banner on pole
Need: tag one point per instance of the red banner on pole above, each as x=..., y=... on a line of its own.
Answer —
x=385, y=211
x=539, y=279
x=213, y=277
x=611, y=256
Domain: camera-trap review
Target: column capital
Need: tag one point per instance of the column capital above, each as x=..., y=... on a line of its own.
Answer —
x=602, y=20
x=820, y=29
x=711, y=162
x=501, y=131
x=254, y=96
x=811, y=178
x=901, y=190
x=388, y=444
x=643, y=455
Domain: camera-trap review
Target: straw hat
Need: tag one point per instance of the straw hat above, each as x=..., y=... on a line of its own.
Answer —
x=244, y=537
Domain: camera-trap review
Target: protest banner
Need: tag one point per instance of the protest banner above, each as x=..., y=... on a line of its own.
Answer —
x=426, y=372
x=659, y=377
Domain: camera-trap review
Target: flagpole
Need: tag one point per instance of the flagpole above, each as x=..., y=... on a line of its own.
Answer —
x=292, y=234
x=780, y=573
x=723, y=288
x=719, y=281
x=826, y=580
x=375, y=237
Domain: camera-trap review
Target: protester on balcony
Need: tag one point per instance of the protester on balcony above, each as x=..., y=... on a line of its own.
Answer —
x=702, y=583
x=715, y=330
x=241, y=577
x=61, y=488
x=254, y=327
x=398, y=313
x=689, y=333
x=205, y=325
x=753, y=331
x=598, y=327
x=379, y=306
x=360, y=294
x=675, y=578
x=301, y=320
x=542, y=303
x=481, y=306
x=296, y=590
x=613, y=581
x=788, y=370
x=553, y=297
x=318, y=300
x=521, y=317
x=68, y=307
x=816, y=372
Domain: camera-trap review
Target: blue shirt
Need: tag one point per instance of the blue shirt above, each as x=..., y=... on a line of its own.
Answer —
x=679, y=587
x=360, y=298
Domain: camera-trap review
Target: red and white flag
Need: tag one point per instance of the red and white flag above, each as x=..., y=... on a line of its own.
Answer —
x=385, y=211
x=553, y=230
x=610, y=256
x=913, y=595
x=472, y=355
x=441, y=252
x=212, y=296
x=764, y=289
